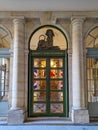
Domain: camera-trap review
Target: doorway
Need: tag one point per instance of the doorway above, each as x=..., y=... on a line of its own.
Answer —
x=48, y=89
x=4, y=86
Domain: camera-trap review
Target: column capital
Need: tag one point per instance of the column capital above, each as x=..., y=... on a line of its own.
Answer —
x=18, y=20
x=77, y=20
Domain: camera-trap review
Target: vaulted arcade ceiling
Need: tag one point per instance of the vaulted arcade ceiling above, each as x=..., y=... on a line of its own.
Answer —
x=48, y=5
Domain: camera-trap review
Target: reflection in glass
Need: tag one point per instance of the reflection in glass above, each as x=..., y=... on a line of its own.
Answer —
x=56, y=96
x=39, y=96
x=56, y=108
x=39, y=62
x=39, y=85
x=39, y=108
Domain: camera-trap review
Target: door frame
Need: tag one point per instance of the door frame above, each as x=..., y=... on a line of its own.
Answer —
x=48, y=54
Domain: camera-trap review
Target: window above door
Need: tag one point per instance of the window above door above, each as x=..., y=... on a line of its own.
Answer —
x=92, y=38
x=48, y=37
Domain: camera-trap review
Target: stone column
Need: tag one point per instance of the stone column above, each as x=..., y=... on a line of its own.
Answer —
x=79, y=114
x=16, y=113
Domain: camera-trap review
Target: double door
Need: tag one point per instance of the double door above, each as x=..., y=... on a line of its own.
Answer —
x=48, y=93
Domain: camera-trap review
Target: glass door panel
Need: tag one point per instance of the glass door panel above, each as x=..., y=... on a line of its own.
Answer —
x=92, y=79
x=39, y=108
x=48, y=90
x=56, y=108
x=39, y=73
x=56, y=62
x=56, y=96
x=40, y=62
x=39, y=85
x=56, y=73
x=4, y=85
x=39, y=96
x=56, y=85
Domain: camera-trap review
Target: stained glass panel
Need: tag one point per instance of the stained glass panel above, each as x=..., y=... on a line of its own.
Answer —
x=54, y=62
x=40, y=62
x=56, y=96
x=39, y=108
x=55, y=73
x=39, y=85
x=56, y=108
x=39, y=73
x=56, y=85
x=47, y=86
x=39, y=96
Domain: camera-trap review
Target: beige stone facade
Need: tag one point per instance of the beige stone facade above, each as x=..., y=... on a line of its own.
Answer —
x=20, y=26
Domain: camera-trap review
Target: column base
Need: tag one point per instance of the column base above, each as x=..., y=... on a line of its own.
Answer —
x=16, y=116
x=80, y=116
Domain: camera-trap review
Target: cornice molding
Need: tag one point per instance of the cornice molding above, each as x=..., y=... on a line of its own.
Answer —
x=54, y=14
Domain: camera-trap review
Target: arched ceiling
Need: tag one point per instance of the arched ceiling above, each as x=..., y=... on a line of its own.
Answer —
x=4, y=38
x=49, y=5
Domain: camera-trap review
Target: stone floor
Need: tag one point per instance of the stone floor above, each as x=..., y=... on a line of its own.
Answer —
x=48, y=127
x=49, y=124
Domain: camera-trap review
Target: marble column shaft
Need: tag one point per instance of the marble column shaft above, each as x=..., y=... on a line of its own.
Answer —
x=76, y=61
x=18, y=64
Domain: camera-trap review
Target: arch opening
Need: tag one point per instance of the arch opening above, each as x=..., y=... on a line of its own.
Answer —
x=48, y=75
